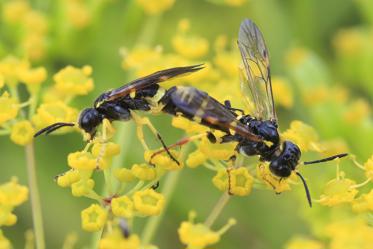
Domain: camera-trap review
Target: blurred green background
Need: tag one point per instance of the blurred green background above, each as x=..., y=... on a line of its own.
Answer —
x=265, y=220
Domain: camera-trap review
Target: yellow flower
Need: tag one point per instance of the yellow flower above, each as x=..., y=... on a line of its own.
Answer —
x=299, y=242
x=368, y=165
x=78, y=14
x=1, y=81
x=155, y=7
x=124, y=175
x=195, y=159
x=136, y=57
x=34, y=77
x=36, y=22
x=11, y=68
x=148, y=202
x=350, y=234
x=364, y=203
x=235, y=3
x=187, y=125
x=12, y=194
x=333, y=147
x=8, y=108
x=220, y=180
x=8, y=219
x=82, y=187
x=357, y=112
x=82, y=160
x=272, y=181
x=4, y=242
x=110, y=149
x=189, y=46
x=282, y=92
x=297, y=56
x=241, y=181
x=35, y=46
x=338, y=191
x=165, y=162
x=122, y=207
x=68, y=178
x=348, y=41
x=14, y=11
x=49, y=113
x=301, y=134
x=73, y=80
x=115, y=240
x=217, y=151
x=144, y=172
x=93, y=218
x=22, y=132
x=198, y=235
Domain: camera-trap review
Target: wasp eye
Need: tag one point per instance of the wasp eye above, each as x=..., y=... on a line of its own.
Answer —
x=89, y=119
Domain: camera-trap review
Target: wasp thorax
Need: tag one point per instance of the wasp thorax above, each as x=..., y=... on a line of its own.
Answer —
x=89, y=119
x=265, y=129
x=287, y=161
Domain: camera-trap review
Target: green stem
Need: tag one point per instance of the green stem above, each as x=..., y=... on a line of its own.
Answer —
x=34, y=195
x=153, y=223
x=150, y=28
x=217, y=209
x=167, y=191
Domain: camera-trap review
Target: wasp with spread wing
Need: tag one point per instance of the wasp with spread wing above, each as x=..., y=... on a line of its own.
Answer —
x=119, y=104
x=256, y=134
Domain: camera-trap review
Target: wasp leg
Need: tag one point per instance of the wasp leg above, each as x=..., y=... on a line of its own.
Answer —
x=266, y=179
x=232, y=159
x=227, y=104
x=101, y=153
x=179, y=143
x=145, y=121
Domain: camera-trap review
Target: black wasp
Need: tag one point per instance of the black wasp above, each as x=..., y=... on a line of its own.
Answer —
x=142, y=94
x=256, y=134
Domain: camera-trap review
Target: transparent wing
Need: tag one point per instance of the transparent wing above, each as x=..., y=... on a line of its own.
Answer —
x=255, y=74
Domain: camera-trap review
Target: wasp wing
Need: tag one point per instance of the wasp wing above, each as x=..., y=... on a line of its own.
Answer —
x=256, y=76
x=149, y=80
x=199, y=106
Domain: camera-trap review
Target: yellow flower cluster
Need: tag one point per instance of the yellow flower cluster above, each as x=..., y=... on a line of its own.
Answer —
x=142, y=203
x=338, y=191
x=305, y=243
x=188, y=46
x=116, y=240
x=33, y=24
x=11, y=195
x=74, y=81
x=78, y=13
x=21, y=128
x=155, y=7
x=199, y=235
x=303, y=135
x=236, y=181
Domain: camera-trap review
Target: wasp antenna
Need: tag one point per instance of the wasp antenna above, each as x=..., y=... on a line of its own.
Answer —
x=326, y=159
x=305, y=188
x=52, y=128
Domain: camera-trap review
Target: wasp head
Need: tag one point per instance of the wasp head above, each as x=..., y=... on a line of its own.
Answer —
x=89, y=119
x=286, y=162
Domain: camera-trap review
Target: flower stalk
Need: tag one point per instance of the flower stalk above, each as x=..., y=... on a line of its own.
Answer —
x=34, y=196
